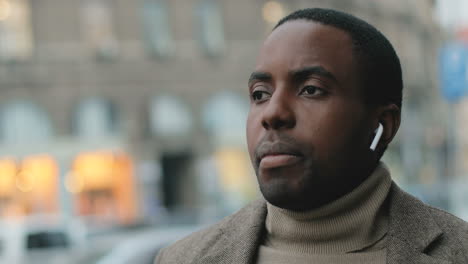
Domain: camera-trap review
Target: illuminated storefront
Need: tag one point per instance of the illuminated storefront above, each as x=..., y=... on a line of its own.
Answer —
x=235, y=175
x=102, y=184
x=29, y=186
x=8, y=204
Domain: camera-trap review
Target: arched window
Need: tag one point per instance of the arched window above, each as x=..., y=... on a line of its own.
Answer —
x=170, y=117
x=24, y=122
x=95, y=118
x=224, y=115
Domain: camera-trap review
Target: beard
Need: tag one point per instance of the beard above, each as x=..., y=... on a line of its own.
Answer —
x=315, y=180
x=300, y=188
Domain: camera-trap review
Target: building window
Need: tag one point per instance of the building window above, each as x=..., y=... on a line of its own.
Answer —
x=20, y=118
x=224, y=116
x=158, y=37
x=16, y=41
x=170, y=117
x=98, y=29
x=95, y=118
x=212, y=27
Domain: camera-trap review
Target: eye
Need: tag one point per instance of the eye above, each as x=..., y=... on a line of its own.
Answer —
x=259, y=95
x=312, y=90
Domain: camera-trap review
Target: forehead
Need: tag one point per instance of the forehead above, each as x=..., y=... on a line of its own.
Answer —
x=300, y=43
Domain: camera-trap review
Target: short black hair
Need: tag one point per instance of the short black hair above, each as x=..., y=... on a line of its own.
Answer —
x=380, y=65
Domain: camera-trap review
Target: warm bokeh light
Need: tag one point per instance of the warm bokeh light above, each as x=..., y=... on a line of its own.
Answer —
x=8, y=170
x=73, y=183
x=95, y=169
x=42, y=171
x=25, y=181
x=235, y=176
x=28, y=186
x=5, y=9
x=273, y=11
x=103, y=184
x=39, y=177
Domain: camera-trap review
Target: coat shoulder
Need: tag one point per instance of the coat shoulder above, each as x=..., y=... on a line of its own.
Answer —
x=196, y=243
x=454, y=230
x=452, y=226
x=453, y=240
x=448, y=221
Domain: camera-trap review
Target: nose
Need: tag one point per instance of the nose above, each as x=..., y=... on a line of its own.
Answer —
x=278, y=113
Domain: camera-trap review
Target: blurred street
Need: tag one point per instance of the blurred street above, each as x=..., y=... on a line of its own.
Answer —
x=136, y=245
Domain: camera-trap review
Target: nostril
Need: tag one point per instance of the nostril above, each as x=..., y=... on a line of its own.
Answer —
x=265, y=124
x=277, y=123
x=280, y=123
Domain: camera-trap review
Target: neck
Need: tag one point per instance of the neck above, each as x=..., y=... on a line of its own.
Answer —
x=353, y=222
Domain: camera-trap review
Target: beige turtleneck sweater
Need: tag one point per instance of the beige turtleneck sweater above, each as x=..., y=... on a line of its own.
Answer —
x=351, y=229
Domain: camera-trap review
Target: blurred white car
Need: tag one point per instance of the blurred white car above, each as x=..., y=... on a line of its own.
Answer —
x=142, y=248
x=44, y=239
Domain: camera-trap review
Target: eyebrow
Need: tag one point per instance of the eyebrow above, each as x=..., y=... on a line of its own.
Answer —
x=260, y=76
x=304, y=73
x=297, y=75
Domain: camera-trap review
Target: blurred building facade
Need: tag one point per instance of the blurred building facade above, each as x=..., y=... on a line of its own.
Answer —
x=133, y=108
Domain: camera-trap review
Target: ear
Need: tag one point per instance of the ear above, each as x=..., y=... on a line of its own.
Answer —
x=390, y=117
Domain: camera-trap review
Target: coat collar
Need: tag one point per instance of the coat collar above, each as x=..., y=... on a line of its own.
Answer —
x=240, y=237
x=411, y=230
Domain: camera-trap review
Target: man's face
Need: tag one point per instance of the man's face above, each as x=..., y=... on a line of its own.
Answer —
x=308, y=130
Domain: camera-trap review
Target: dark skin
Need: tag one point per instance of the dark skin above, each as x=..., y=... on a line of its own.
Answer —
x=309, y=129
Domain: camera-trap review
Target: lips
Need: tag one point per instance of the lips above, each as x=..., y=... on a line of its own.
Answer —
x=270, y=155
x=278, y=160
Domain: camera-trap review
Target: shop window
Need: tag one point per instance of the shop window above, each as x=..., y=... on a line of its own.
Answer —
x=102, y=183
x=37, y=180
x=28, y=186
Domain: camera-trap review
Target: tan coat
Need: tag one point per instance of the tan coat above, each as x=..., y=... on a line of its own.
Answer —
x=417, y=234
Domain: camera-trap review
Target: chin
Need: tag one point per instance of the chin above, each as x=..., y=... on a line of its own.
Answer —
x=300, y=194
x=281, y=194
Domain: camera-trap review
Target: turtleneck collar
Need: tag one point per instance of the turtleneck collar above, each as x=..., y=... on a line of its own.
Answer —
x=351, y=223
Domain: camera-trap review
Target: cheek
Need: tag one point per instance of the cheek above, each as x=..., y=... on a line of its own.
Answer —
x=330, y=127
x=312, y=123
x=252, y=132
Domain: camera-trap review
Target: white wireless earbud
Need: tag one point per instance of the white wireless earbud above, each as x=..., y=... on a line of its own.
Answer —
x=378, y=134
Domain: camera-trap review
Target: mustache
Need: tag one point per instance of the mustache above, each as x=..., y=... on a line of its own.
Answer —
x=281, y=144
